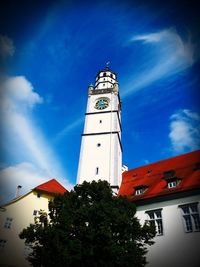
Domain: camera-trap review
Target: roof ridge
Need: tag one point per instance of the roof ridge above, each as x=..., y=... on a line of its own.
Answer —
x=51, y=186
x=184, y=169
x=162, y=160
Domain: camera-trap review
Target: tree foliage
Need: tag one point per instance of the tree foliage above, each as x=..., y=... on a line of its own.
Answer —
x=89, y=227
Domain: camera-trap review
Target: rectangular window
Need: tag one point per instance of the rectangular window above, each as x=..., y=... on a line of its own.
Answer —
x=155, y=218
x=97, y=170
x=2, y=243
x=172, y=184
x=191, y=219
x=139, y=191
x=35, y=212
x=8, y=223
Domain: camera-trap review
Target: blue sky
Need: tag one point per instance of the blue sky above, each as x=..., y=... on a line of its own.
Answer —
x=51, y=51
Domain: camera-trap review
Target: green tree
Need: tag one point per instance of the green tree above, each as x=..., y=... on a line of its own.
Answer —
x=89, y=227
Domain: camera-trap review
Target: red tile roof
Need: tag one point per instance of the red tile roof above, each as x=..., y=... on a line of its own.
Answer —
x=51, y=186
x=151, y=176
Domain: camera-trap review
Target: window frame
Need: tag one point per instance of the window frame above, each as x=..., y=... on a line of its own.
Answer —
x=172, y=183
x=35, y=212
x=156, y=220
x=140, y=190
x=8, y=223
x=190, y=218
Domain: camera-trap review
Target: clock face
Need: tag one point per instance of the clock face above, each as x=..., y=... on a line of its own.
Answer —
x=102, y=103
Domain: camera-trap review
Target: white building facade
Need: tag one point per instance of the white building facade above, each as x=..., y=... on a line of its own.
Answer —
x=167, y=194
x=177, y=223
x=101, y=149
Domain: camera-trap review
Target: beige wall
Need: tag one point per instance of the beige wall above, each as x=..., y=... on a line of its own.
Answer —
x=21, y=211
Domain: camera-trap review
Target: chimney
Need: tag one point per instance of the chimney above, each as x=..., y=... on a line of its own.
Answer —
x=17, y=191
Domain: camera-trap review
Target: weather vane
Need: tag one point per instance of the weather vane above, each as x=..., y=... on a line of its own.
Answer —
x=107, y=64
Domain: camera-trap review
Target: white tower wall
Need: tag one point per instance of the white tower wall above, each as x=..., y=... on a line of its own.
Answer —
x=101, y=149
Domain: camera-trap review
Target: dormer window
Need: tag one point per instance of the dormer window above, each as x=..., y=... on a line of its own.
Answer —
x=171, y=179
x=139, y=190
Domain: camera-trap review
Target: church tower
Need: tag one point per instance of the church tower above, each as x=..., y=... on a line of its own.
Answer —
x=101, y=149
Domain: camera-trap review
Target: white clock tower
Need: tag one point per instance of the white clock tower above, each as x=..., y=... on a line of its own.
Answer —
x=101, y=149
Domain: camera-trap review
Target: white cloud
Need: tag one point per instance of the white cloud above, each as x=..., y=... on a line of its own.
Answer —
x=185, y=131
x=172, y=55
x=18, y=91
x=22, y=138
x=6, y=47
x=25, y=174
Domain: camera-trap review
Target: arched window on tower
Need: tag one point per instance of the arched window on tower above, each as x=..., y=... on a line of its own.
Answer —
x=104, y=74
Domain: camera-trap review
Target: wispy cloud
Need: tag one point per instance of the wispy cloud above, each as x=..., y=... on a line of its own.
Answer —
x=18, y=98
x=68, y=128
x=172, y=55
x=6, y=47
x=146, y=161
x=185, y=131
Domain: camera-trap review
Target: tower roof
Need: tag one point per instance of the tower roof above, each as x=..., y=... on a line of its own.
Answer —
x=51, y=186
x=185, y=168
x=106, y=69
